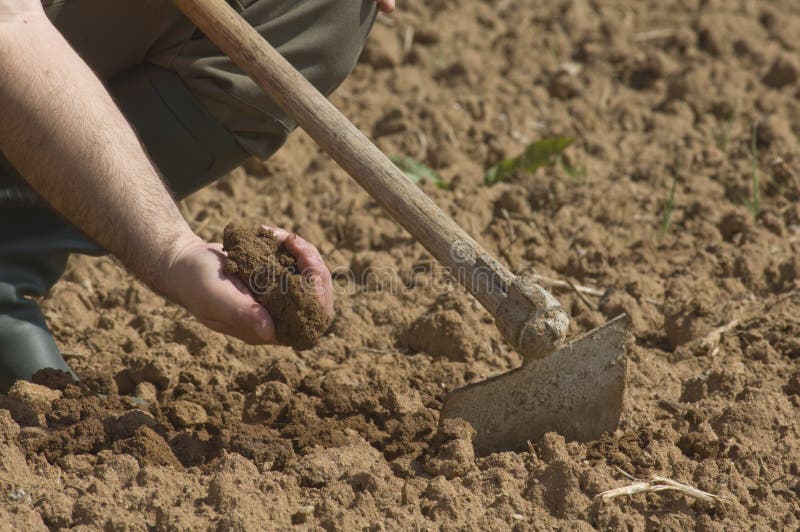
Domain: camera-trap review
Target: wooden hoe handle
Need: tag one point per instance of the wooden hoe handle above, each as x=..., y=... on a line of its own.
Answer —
x=515, y=305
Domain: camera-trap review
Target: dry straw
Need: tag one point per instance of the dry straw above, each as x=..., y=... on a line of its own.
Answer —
x=658, y=483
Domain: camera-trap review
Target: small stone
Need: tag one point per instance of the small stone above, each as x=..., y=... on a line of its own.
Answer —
x=187, y=414
x=38, y=398
x=19, y=495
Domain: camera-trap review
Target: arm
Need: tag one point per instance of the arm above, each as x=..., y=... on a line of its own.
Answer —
x=65, y=135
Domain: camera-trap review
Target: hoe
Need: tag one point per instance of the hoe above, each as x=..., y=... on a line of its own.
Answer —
x=575, y=389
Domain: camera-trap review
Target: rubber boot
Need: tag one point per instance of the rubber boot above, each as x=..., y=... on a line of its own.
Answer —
x=190, y=148
x=26, y=345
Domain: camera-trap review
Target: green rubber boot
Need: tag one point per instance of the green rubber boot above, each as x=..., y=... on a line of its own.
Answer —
x=190, y=148
x=26, y=345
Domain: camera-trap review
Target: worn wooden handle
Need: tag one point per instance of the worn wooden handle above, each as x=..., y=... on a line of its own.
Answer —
x=479, y=272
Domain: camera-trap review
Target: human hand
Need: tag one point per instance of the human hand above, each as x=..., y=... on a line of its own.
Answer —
x=310, y=264
x=387, y=6
x=196, y=280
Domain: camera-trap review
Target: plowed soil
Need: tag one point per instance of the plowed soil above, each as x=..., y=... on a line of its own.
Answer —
x=198, y=431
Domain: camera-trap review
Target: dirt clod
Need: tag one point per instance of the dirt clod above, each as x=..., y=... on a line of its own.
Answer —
x=271, y=273
x=453, y=454
x=52, y=378
x=148, y=447
x=35, y=396
x=187, y=414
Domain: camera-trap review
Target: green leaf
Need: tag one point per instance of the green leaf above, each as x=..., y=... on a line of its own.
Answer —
x=501, y=171
x=669, y=205
x=544, y=152
x=417, y=171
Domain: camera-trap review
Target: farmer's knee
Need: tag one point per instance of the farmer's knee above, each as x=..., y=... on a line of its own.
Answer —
x=335, y=46
x=320, y=38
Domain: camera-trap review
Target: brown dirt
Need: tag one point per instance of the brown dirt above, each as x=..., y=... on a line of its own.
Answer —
x=271, y=273
x=343, y=435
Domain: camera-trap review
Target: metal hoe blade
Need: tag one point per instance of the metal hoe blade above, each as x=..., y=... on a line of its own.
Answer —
x=577, y=392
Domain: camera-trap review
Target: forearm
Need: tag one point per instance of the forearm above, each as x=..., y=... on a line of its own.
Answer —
x=64, y=134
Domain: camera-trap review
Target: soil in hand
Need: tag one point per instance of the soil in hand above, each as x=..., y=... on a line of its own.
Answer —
x=271, y=273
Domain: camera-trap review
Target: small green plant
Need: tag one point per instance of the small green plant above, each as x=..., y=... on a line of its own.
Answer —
x=669, y=206
x=544, y=152
x=754, y=202
x=417, y=171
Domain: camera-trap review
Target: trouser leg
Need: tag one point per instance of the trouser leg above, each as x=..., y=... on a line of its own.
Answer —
x=322, y=39
x=188, y=146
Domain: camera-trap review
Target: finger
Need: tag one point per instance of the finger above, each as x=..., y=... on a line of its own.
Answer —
x=387, y=6
x=311, y=263
x=280, y=233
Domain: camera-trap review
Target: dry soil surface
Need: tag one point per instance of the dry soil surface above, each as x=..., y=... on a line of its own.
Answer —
x=214, y=434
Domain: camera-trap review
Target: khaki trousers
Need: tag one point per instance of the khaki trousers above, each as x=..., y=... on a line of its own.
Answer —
x=321, y=38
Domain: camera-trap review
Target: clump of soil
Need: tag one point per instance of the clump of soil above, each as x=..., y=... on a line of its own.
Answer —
x=271, y=273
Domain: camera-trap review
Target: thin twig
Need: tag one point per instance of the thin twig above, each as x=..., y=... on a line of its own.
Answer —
x=710, y=342
x=625, y=473
x=558, y=283
x=658, y=483
x=580, y=295
x=423, y=144
x=511, y=233
x=653, y=301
